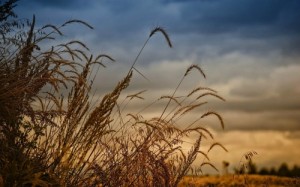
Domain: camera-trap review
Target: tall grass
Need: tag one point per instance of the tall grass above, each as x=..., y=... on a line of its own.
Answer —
x=52, y=135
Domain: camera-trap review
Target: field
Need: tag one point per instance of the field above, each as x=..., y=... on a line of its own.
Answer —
x=242, y=180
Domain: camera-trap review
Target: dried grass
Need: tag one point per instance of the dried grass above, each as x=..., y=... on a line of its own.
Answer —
x=59, y=138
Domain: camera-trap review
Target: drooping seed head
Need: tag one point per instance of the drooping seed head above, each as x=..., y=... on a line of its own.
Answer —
x=159, y=29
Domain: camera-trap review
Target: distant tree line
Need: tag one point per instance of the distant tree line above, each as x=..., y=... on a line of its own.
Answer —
x=283, y=170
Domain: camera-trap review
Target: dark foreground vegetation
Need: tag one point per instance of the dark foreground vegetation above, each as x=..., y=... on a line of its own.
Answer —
x=53, y=132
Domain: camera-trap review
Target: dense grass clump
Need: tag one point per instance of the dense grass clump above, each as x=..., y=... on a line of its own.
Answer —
x=52, y=135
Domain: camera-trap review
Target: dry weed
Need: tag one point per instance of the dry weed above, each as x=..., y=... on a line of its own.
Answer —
x=51, y=134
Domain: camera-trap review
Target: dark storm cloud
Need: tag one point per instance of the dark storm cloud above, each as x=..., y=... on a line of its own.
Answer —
x=246, y=17
x=61, y=4
x=253, y=18
x=126, y=22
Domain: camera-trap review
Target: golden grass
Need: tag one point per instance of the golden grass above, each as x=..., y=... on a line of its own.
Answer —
x=51, y=133
x=241, y=180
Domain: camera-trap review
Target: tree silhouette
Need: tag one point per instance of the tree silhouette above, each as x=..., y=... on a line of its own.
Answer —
x=283, y=170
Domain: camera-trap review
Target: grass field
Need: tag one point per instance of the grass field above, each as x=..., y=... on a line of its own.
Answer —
x=239, y=181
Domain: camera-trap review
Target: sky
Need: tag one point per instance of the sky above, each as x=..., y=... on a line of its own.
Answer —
x=249, y=50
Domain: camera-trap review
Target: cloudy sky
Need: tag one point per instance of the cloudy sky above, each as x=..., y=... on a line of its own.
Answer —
x=249, y=50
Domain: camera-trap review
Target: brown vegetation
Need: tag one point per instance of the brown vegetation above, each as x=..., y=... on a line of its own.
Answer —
x=51, y=134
